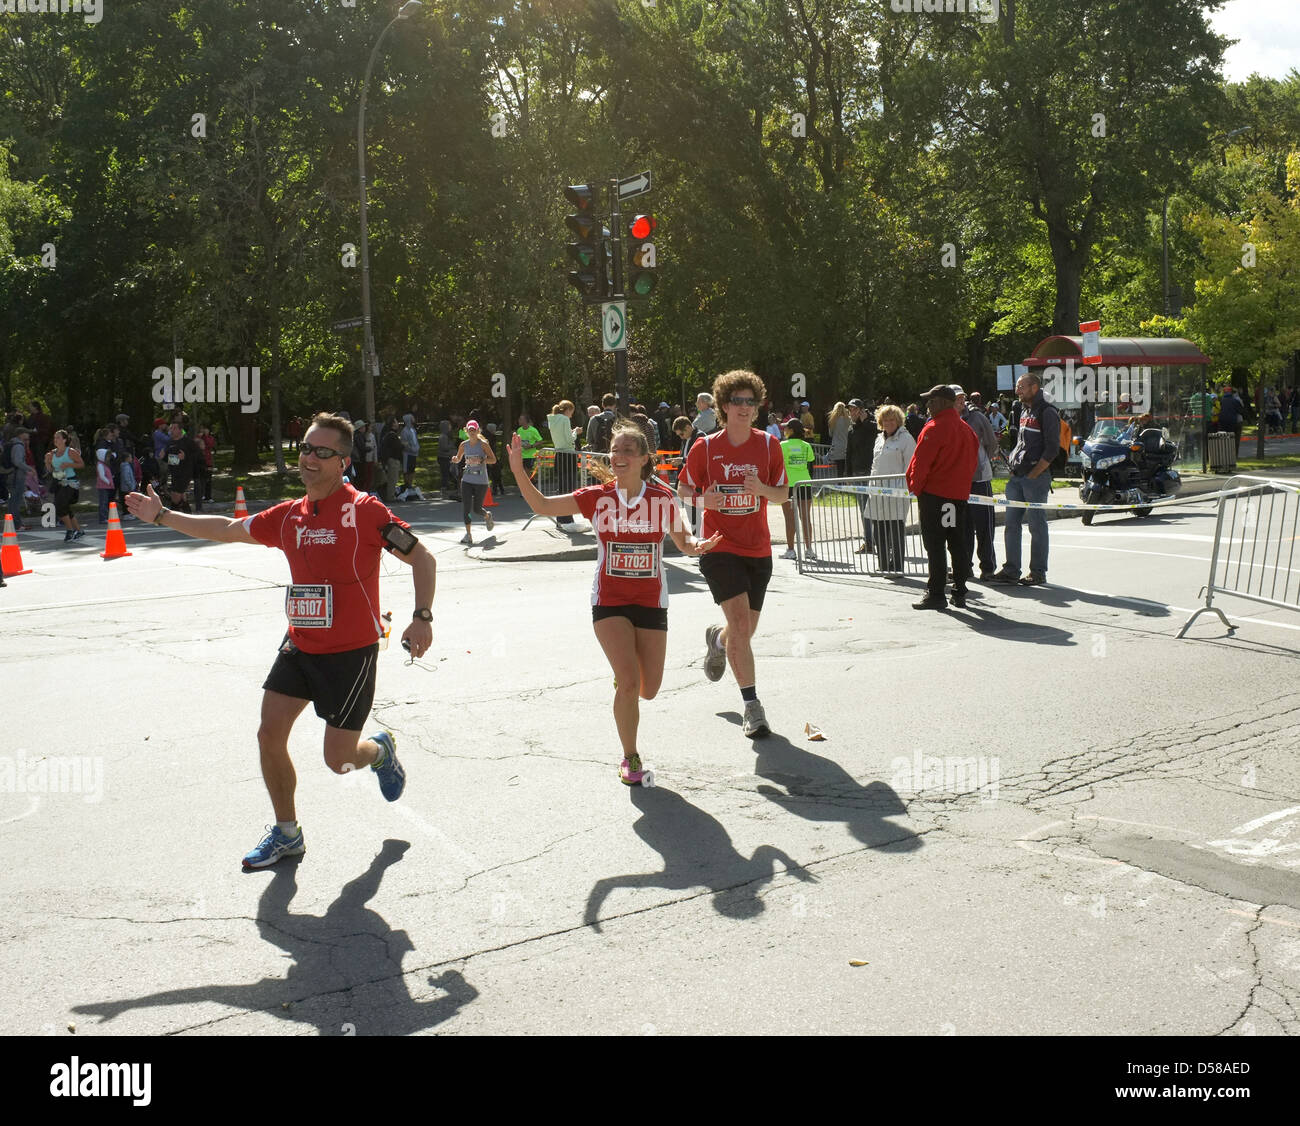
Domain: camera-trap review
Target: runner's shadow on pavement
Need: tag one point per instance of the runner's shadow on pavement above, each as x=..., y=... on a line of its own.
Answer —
x=349, y=947
x=819, y=789
x=697, y=853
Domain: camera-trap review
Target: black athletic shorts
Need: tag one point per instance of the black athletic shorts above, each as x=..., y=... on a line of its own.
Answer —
x=341, y=686
x=729, y=575
x=643, y=617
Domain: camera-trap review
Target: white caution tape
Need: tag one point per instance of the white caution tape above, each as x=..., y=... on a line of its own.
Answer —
x=999, y=502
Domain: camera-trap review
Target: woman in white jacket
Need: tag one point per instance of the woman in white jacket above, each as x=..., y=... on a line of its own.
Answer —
x=894, y=450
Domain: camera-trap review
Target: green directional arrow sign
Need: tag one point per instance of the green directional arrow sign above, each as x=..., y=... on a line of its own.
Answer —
x=613, y=326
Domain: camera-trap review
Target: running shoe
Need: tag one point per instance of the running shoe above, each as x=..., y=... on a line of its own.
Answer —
x=67, y=536
x=630, y=771
x=487, y=519
x=467, y=539
x=78, y=535
x=755, y=720
x=715, y=659
x=810, y=553
x=274, y=846
x=392, y=778
x=788, y=553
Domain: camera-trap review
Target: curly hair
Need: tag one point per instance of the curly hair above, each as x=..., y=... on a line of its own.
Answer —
x=732, y=381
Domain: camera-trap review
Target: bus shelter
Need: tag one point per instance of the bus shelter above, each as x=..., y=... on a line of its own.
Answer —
x=1166, y=376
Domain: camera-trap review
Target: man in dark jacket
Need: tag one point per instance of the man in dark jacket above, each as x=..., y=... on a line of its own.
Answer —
x=1231, y=415
x=940, y=475
x=1031, y=480
x=862, y=449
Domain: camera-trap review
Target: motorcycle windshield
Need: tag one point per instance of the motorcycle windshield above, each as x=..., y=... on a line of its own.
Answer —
x=1109, y=430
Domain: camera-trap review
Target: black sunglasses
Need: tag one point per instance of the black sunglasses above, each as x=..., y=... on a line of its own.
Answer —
x=322, y=452
x=742, y=402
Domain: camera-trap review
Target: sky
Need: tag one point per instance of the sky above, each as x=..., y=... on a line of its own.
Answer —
x=1269, y=31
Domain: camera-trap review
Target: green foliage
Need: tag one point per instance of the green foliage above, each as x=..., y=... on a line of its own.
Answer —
x=812, y=161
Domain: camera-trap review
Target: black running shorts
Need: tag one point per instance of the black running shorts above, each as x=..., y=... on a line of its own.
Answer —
x=643, y=617
x=729, y=575
x=341, y=686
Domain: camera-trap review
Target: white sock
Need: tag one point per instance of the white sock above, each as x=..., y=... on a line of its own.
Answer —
x=718, y=643
x=288, y=828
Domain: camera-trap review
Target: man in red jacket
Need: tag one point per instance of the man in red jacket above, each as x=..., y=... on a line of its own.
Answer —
x=940, y=476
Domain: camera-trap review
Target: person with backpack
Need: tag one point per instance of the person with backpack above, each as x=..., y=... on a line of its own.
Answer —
x=601, y=426
x=13, y=463
x=1037, y=442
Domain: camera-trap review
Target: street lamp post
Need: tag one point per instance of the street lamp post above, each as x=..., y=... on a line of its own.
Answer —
x=369, y=361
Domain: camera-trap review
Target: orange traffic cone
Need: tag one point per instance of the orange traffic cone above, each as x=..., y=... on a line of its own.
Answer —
x=11, y=558
x=115, y=545
x=241, y=506
x=488, y=502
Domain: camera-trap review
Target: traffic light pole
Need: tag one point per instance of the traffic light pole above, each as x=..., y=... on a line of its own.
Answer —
x=620, y=356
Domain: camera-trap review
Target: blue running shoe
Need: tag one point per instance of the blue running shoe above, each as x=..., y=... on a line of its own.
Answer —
x=392, y=778
x=275, y=846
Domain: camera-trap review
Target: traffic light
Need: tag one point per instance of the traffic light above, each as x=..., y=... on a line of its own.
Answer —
x=589, y=252
x=641, y=277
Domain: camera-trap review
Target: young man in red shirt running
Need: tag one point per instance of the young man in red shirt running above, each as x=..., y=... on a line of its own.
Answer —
x=733, y=474
x=332, y=537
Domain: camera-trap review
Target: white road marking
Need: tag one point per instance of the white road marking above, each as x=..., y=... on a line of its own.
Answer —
x=1248, y=915
x=1251, y=826
x=1237, y=617
x=36, y=801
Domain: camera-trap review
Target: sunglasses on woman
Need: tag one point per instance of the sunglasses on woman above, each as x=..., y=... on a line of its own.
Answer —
x=322, y=452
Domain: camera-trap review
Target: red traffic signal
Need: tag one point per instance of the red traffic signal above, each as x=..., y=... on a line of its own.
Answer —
x=642, y=227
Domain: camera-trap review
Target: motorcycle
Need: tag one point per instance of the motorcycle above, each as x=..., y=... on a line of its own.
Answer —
x=1121, y=466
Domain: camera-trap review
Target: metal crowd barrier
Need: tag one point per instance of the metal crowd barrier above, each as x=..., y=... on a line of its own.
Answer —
x=841, y=521
x=822, y=467
x=557, y=472
x=1254, y=546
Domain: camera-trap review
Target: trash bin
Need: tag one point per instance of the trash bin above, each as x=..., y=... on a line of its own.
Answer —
x=1222, y=451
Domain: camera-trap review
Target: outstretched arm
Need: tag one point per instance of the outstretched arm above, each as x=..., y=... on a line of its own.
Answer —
x=220, y=529
x=564, y=505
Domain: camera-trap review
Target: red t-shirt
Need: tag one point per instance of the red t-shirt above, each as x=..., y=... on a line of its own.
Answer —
x=743, y=521
x=333, y=547
x=629, y=542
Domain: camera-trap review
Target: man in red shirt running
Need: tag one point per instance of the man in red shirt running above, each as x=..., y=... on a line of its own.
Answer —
x=733, y=474
x=333, y=538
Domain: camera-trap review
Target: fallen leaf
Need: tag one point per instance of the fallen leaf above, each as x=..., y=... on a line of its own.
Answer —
x=814, y=733
x=857, y=962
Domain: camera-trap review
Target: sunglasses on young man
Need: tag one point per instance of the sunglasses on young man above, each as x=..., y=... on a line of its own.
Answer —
x=324, y=453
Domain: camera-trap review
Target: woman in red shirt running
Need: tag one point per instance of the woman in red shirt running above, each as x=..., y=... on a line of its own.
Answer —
x=630, y=513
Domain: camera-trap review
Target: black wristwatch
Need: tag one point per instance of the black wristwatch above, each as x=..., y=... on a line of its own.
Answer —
x=424, y=614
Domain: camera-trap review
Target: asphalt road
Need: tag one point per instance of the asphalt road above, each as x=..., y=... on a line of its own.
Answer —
x=1045, y=815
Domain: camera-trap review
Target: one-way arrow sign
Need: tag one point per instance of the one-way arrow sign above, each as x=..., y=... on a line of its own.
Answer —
x=634, y=185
